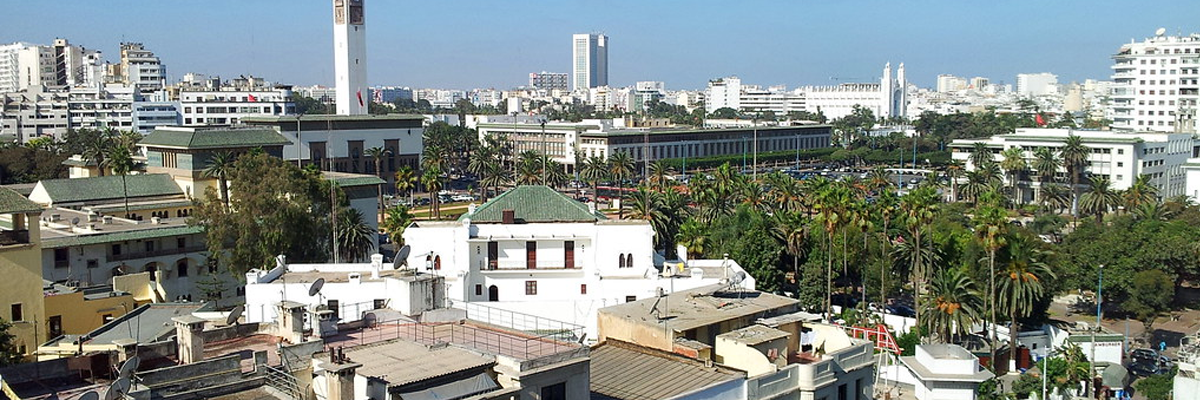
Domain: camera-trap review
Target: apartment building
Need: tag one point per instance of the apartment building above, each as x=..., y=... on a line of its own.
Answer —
x=1156, y=84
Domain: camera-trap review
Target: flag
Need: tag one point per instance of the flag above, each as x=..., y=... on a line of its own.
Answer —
x=1040, y=121
x=253, y=99
x=360, y=102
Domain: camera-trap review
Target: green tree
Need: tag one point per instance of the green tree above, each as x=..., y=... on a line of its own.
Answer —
x=1157, y=387
x=620, y=169
x=1075, y=159
x=951, y=304
x=1014, y=167
x=1150, y=295
x=432, y=180
x=595, y=169
x=1139, y=193
x=990, y=225
x=275, y=208
x=918, y=207
x=1021, y=277
x=355, y=237
x=218, y=167
x=395, y=221
x=95, y=148
x=694, y=236
x=121, y=163
x=377, y=154
x=9, y=353
x=1099, y=199
x=724, y=113
x=746, y=236
x=406, y=181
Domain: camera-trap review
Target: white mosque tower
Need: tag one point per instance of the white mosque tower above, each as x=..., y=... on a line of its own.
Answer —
x=350, y=56
x=887, y=88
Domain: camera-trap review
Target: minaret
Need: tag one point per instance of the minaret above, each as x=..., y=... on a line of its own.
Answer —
x=350, y=56
x=887, y=89
x=902, y=92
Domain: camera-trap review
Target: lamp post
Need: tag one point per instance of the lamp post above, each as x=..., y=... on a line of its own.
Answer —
x=299, y=143
x=545, y=155
x=1099, y=302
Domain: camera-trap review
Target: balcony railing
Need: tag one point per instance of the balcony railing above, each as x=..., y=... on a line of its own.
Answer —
x=156, y=253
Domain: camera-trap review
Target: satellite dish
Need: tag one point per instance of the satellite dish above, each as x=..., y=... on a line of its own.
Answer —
x=316, y=287
x=90, y=395
x=402, y=257
x=129, y=367
x=117, y=389
x=738, y=278
x=234, y=315
x=1160, y=32
x=75, y=221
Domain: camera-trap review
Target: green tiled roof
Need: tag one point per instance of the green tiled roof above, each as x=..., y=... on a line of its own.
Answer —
x=12, y=202
x=121, y=236
x=534, y=204
x=350, y=180
x=202, y=138
x=108, y=187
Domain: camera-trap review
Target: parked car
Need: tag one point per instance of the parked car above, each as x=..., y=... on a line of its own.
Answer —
x=463, y=197
x=901, y=310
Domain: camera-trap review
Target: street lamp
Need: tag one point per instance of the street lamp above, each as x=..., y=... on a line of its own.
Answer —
x=1099, y=301
x=545, y=155
x=299, y=143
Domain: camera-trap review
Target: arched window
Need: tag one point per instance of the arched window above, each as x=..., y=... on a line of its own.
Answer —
x=620, y=260
x=629, y=261
x=181, y=267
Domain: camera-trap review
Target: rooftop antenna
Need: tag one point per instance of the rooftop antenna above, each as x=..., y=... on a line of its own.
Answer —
x=660, y=313
x=236, y=313
x=316, y=286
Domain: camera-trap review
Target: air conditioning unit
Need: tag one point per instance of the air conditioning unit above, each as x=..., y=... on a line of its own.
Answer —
x=107, y=219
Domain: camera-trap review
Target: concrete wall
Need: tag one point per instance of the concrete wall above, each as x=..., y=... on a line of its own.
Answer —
x=80, y=315
x=574, y=374
x=22, y=284
x=182, y=378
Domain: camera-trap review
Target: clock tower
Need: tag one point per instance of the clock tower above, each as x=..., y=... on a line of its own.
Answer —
x=350, y=57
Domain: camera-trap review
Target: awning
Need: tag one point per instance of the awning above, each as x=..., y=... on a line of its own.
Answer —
x=481, y=383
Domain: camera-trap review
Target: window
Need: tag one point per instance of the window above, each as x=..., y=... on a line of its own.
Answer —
x=583, y=288
x=479, y=290
x=116, y=249
x=62, y=258
x=493, y=255
x=180, y=242
x=437, y=262
x=149, y=246
x=629, y=261
x=182, y=268
x=630, y=299
x=93, y=263
x=16, y=314
x=531, y=255
x=569, y=254
x=530, y=288
x=55, y=323
x=333, y=306
x=621, y=260
x=557, y=391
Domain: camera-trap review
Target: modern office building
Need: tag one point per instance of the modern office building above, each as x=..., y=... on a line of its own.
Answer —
x=888, y=98
x=549, y=80
x=226, y=103
x=949, y=83
x=1156, y=84
x=41, y=112
x=589, y=60
x=1039, y=84
x=1120, y=157
x=350, y=56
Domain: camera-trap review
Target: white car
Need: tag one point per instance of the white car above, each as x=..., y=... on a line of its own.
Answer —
x=462, y=197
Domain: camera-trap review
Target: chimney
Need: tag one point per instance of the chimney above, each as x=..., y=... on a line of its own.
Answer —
x=126, y=349
x=339, y=380
x=376, y=265
x=508, y=217
x=291, y=321
x=188, y=337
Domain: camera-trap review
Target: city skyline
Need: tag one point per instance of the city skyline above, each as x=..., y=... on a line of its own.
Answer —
x=497, y=45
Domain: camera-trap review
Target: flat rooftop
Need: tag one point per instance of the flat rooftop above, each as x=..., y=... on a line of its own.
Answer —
x=344, y=276
x=703, y=306
x=469, y=334
x=148, y=323
x=401, y=362
x=65, y=233
x=754, y=335
x=626, y=371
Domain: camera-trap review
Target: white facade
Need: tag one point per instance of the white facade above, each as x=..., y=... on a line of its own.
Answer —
x=350, y=56
x=38, y=112
x=1039, y=84
x=1157, y=84
x=549, y=80
x=722, y=93
x=589, y=60
x=141, y=68
x=1120, y=157
x=23, y=65
x=945, y=372
x=228, y=105
x=564, y=271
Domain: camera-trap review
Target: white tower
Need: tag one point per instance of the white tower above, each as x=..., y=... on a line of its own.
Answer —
x=887, y=88
x=350, y=56
x=902, y=93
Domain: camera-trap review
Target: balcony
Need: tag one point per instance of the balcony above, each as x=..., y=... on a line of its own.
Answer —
x=522, y=268
x=156, y=253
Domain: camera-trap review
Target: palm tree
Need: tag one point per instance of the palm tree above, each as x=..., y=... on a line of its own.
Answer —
x=395, y=221
x=620, y=168
x=1021, y=279
x=121, y=163
x=1046, y=163
x=495, y=175
x=1099, y=199
x=692, y=235
x=952, y=304
x=529, y=168
x=432, y=180
x=377, y=154
x=96, y=148
x=918, y=206
x=1014, y=166
x=878, y=178
x=954, y=171
x=990, y=224
x=406, y=181
x=659, y=171
x=1152, y=212
x=1054, y=197
x=886, y=204
x=831, y=206
x=1075, y=158
x=218, y=167
x=1140, y=192
x=792, y=229
x=980, y=155
x=595, y=170
x=355, y=237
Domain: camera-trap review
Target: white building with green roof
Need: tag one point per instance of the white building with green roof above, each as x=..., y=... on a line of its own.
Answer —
x=536, y=251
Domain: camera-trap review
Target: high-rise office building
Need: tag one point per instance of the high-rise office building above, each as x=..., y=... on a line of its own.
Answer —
x=350, y=57
x=1155, y=84
x=589, y=61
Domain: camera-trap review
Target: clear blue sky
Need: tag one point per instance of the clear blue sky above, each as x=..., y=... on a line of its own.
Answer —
x=473, y=43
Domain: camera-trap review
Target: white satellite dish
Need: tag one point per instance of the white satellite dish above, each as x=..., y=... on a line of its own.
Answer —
x=738, y=278
x=128, y=368
x=117, y=389
x=1160, y=32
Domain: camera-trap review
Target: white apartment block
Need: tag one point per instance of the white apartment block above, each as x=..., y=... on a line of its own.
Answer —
x=23, y=65
x=589, y=61
x=888, y=98
x=1039, y=84
x=39, y=112
x=549, y=80
x=950, y=83
x=536, y=251
x=1156, y=84
x=1120, y=157
x=140, y=68
x=227, y=105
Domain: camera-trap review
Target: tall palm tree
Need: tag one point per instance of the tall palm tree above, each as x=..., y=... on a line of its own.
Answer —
x=954, y=171
x=432, y=180
x=529, y=168
x=1075, y=159
x=990, y=223
x=831, y=206
x=1014, y=167
x=595, y=170
x=96, y=148
x=377, y=154
x=355, y=237
x=878, y=178
x=693, y=235
x=620, y=168
x=121, y=163
x=1099, y=199
x=1046, y=163
x=406, y=181
x=1054, y=197
x=886, y=204
x=792, y=229
x=496, y=175
x=918, y=207
x=1140, y=192
x=395, y=221
x=951, y=305
x=659, y=171
x=1021, y=279
x=980, y=155
x=218, y=167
